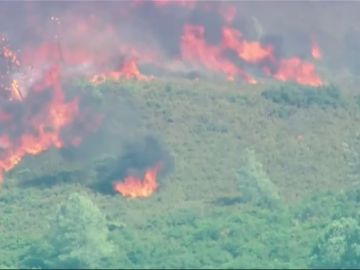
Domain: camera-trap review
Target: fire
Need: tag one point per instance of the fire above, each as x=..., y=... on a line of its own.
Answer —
x=294, y=69
x=34, y=109
x=135, y=187
x=315, y=50
x=251, y=52
x=194, y=49
x=29, y=129
x=129, y=70
x=15, y=91
x=43, y=127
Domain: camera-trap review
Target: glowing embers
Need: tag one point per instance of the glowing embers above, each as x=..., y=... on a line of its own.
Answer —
x=135, y=187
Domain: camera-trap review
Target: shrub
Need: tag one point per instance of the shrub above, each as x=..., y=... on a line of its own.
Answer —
x=78, y=238
x=254, y=183
x=339, y=246
x=305, y=96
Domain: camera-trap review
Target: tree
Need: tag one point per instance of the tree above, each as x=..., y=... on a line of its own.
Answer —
x=78, y=237
x=339, y=246
x=254, y=182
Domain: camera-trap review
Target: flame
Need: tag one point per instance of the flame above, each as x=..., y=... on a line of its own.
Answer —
x=129, y=70
x=194, y=49
x=37, y=71
x=251, y=52
x=15, y=91
x=40, y=128
x=134, y=187
x=294, y=69
x=315, y=50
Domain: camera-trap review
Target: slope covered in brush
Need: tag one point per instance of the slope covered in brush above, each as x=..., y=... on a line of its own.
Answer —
x=212, y=207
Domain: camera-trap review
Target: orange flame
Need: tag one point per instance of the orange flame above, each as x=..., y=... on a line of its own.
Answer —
x=129, y=70
x=195, y=49
x=315, y=50
x=45, y=126
x=134, y=187
x=15, y=91
x=251, y=52
x=294, y=69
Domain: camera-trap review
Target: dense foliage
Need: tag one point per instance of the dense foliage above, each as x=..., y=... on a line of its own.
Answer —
x=305, y=96
x=247, y=189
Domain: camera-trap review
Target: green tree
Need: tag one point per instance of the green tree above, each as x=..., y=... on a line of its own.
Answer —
x=339, y=246
x=254, y=183
x=78, y=238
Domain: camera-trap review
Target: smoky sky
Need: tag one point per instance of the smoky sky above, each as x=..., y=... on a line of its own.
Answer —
x=292, y=22
x=115, y=123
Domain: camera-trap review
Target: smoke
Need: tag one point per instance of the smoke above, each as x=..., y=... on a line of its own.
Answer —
x=52, y=44
x=136, y=158
x=114, y=144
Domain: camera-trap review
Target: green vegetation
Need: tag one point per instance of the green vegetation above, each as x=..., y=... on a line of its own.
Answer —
x=305, y=96
x=254, y=182
x=249, y=189
x=339, y=246
x=79, y=228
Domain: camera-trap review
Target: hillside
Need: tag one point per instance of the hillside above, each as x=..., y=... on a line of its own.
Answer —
x=202, y=215
x=179, y=134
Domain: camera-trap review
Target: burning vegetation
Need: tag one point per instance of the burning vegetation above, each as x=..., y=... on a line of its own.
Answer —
x=35, y=111
x=135, y=187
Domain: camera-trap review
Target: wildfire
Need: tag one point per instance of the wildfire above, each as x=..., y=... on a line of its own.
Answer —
x=34, y=109
x=135, y=187
x=194, y=49
x=315, y=50
x=249, y=51
x=129, y=70
x=43, y=130
x=294, y=69
x=30, y=124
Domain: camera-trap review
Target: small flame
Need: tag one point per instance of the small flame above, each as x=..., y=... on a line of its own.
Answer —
x=135, y=187
x=315, y=50
x=129, y=70
x=15, y=91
